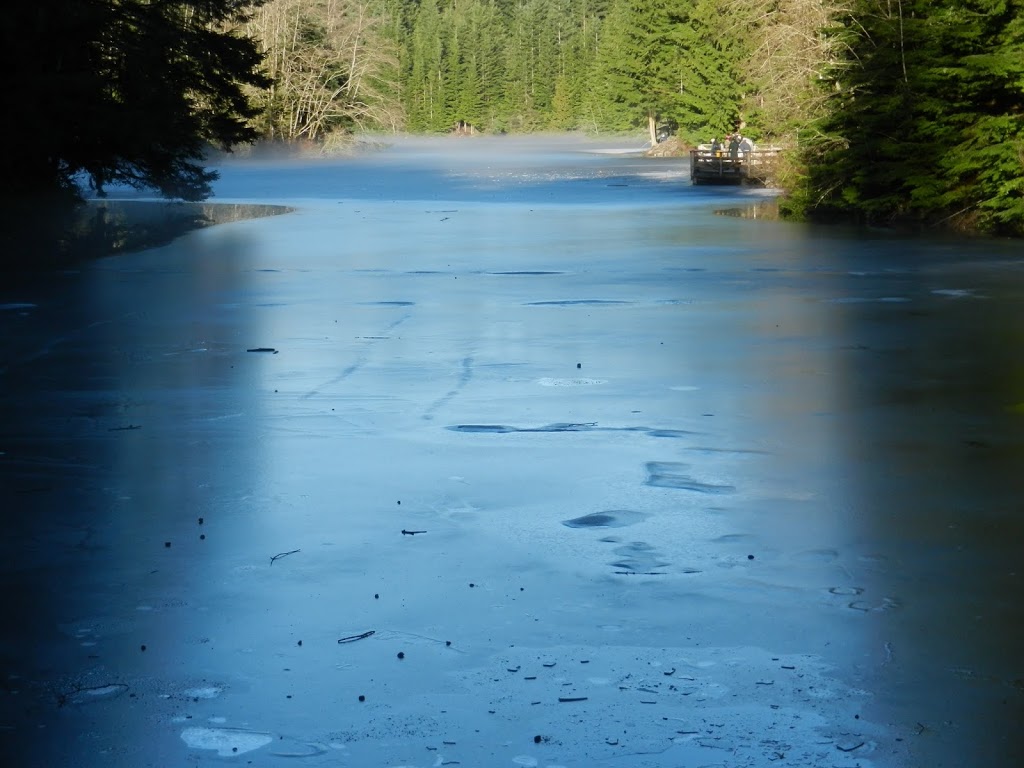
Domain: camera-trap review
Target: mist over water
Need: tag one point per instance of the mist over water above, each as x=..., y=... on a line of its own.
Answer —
x=660, y=486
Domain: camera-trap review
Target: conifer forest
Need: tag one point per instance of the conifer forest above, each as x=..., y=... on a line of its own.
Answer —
x=888, y=111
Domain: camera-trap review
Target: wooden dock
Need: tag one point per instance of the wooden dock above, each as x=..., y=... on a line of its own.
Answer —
x=709, y=166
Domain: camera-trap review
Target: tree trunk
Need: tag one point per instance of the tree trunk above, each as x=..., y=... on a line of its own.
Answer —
x=652, y=127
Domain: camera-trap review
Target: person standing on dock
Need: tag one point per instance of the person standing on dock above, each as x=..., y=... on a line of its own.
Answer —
x=734, y=147
x=716, y=147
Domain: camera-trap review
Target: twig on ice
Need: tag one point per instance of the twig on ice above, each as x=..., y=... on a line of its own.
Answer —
x=353, y=638
x=282, y=554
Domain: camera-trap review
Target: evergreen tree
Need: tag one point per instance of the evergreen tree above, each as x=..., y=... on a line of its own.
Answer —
x=575, y=24
x=125, y=91
x=704, y=65
x=610, y=103
x=925, y=124
x=658, y=59
x=561, y=116
x=522, y=66
x=424, y=88
x=474, y=57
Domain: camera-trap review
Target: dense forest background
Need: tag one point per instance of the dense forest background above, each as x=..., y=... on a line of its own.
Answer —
x=699, y=67
x=888, y=111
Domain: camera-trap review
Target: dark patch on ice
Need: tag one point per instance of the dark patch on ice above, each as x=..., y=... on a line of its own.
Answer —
x=846, y=591
x=734, y=538
x=867, y=300
x=390, y=303
x=594, y=520
x=590, y=426
x=886, y=604
x=671, y=474
x=574, y=302
x=527, y=272
x=638, y=557
x=614, y=518
x=675, y=433
x=710, y=451
x=504, y=428
x=490, y=428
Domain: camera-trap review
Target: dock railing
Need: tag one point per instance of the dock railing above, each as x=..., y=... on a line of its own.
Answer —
x=720, y=166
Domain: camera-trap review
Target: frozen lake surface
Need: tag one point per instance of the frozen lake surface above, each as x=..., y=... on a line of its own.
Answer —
x=506, y=452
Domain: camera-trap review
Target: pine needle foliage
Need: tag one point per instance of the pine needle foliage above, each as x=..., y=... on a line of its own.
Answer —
x=124, y=91
x=925, y=122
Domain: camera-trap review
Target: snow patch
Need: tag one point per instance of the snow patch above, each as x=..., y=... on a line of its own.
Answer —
x=226, y=741
x=549, y=382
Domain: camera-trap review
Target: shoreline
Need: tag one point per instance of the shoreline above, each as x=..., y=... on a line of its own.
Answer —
x=101, y=227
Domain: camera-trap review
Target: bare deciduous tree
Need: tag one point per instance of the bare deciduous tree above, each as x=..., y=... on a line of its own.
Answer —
x=333, y=69
x=789, y=56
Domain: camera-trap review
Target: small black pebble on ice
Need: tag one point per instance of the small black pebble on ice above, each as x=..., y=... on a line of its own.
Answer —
x=200, y=521
x=167, y=544
x=234, y=749
x=300, y=643
x=399, y=502
x=471, y=584
x=537, y=739
x=376, y=596
x=361, y=697
x=288, y=696
x=142, y=648
x=401, y=655
x=202, y=537
x=579, y=365
x=750, y=557
x=447, y=643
